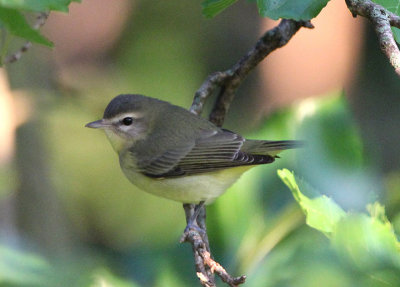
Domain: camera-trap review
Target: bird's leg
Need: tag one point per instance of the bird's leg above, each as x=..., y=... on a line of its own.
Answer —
x=192, y=213
x=195, y=233
x=189, y=210
x=197, y=211
x=201, y=222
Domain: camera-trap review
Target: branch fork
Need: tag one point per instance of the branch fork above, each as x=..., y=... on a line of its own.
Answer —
x=226, y=82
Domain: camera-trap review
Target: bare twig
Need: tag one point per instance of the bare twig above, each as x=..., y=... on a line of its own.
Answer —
x=205, y=265
x=218, y=269
x=394, y=20
x=40, y=21
x=226, y=83
x=382, y=20
x=199, y=242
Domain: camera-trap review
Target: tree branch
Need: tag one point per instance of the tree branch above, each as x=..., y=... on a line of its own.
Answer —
x=40, y=21
x=382, y=20
x=205, y=265
x=227, y=82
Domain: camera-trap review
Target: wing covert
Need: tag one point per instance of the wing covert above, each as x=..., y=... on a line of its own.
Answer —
x=219, y=151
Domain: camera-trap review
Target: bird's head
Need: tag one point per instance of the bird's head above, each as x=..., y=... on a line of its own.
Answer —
x=126, y=119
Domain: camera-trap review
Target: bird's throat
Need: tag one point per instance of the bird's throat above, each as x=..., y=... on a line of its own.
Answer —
x=117, y=142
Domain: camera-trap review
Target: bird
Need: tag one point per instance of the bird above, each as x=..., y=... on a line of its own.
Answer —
x=168, y=151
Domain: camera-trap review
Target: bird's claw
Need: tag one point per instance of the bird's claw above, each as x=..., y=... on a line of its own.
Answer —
x=191, y=227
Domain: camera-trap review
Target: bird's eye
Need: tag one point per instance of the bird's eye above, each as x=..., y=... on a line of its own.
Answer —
x=127, y=121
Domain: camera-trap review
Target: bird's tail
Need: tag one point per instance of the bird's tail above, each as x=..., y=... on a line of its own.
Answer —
x=271, y=148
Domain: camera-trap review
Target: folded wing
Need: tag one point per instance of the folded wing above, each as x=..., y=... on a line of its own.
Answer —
x=223, y=149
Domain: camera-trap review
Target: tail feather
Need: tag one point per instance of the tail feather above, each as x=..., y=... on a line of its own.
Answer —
x=269, y=147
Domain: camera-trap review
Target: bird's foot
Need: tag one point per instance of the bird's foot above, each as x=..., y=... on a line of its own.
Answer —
x=192, y=225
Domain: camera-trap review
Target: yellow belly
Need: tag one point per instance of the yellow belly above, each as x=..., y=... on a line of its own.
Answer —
x=188, y=189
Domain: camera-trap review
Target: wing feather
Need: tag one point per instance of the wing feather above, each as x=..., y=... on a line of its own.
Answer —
x=214, y=151
x=165, y=162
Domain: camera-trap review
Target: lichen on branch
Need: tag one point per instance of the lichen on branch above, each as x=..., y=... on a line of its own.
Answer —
x=382, y=20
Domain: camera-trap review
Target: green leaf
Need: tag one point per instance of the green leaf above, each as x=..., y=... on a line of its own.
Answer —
x=322, y=213
x=396, y=34
x=377, y=211
x=290, y=9
x=367, y=245
x=391, y=5
x=213, y=7
x=16, y=24
x=367, y=242
x=38, y=5
x=330, y=126
x=334, y=151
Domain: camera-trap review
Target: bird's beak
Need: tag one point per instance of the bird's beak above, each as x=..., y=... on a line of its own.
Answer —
x=100, y=124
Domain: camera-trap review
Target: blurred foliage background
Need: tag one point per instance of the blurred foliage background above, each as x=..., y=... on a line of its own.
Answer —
x=69, y=217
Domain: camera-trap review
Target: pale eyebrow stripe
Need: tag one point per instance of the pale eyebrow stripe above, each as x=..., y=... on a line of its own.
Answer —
x=135, y=115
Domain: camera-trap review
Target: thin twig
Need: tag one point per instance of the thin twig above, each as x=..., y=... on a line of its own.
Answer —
x=226, y=82
x=205, y=265
x=40, y=21
x=221, y=272
x=394, y=20
x=382, y=20
x=199, y=246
